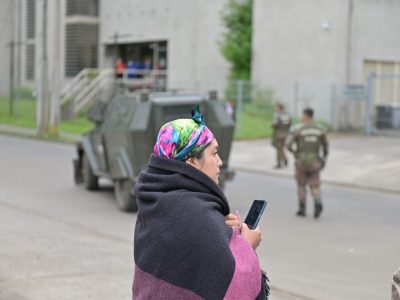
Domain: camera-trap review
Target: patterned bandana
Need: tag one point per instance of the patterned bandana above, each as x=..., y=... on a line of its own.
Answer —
x=183, y=138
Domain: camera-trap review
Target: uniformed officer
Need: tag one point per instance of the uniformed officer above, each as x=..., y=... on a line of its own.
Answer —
x=305, y=141
x=396, y=285
x=280, y=124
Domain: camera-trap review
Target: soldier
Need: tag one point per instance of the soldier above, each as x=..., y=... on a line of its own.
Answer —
x=396, y=285
x=305, y=142
x=281, y=124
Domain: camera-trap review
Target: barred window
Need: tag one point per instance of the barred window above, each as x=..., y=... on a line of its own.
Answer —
x=30, y=62
x=30, y=18
x=81, y=48
x=83, y=7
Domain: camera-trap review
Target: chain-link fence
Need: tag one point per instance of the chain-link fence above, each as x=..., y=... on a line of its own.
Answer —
x=19, y=108
x=370, y=107
x=322, y=97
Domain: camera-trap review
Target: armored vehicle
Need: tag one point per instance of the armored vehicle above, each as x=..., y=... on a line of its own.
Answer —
x=126, y=130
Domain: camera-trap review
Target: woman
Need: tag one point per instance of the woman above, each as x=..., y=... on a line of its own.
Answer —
x=187, y=244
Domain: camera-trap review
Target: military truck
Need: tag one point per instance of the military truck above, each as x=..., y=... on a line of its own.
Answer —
x=126, y=129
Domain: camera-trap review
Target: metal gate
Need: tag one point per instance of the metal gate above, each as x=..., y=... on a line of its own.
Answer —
x=382, y=103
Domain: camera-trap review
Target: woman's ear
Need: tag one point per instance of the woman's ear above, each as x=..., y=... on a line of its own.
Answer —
x=191, y=161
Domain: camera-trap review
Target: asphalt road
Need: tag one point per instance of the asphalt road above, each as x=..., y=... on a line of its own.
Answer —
x=58, y=241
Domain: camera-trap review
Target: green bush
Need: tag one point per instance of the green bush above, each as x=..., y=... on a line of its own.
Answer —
x=25, y=92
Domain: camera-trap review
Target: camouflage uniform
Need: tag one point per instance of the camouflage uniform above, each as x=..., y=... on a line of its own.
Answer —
x=281, y=124
x=396, y=285
x=308, y=140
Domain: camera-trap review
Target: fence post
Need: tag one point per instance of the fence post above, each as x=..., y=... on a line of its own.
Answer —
x=239, y=102
x=333, y=106
x=296, y=100
x=369, y=118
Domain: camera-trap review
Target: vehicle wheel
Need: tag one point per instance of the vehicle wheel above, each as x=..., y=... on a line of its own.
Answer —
x=90, y=180
x=78, y=178
x=221, y=181
x=126, y=200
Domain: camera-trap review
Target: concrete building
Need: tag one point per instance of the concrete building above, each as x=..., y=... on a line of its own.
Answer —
x=179, y=36
x=73, y=24
x=308, y=51
x=9, y=32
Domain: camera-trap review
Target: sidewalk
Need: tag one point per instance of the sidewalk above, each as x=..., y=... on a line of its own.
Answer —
x=30, y=132
x=371, y=162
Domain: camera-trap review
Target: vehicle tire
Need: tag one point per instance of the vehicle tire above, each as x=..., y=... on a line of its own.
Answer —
x=78, y=177
x=221, y=181
x=126, y=200
x=90, y=180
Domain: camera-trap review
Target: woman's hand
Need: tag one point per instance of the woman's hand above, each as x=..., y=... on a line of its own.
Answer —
x=252, y=236
x=233, y=221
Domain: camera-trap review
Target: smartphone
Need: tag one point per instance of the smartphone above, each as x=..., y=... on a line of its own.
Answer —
x=255, y=212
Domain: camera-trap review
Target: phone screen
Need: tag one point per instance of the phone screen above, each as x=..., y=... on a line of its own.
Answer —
x=255, y=212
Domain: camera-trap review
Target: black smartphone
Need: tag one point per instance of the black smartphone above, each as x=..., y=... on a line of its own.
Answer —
x=255, y=212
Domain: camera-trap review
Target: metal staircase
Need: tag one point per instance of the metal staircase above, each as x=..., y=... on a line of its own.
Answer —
x=84, y=89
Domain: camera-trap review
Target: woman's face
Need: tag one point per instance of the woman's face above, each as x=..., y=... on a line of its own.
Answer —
x=210, y=163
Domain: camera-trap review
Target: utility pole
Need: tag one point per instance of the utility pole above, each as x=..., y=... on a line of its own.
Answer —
x=18, y=64
x=115, y=58
x=11, y=100
x=349, y=40
x=11, y=44
x=42, y=95
x=55, y=94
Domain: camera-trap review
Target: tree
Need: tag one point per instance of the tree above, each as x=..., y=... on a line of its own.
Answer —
x=236, y=43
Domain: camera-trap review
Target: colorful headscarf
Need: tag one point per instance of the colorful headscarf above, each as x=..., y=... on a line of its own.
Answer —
x=183, y=138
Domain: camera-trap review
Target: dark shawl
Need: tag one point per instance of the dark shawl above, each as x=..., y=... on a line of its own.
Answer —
x=182, y=246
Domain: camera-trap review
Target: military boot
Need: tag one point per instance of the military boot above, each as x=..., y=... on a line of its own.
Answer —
x=302, y=211
x=317, y=210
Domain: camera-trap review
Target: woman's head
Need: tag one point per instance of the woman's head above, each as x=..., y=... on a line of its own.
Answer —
x=191, y=141
x=208, y=161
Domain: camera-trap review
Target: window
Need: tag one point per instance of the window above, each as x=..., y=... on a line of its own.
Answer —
x=81, y=48
x=83, y=7
x=30, y=37
x=30, y=65
x=30, y=18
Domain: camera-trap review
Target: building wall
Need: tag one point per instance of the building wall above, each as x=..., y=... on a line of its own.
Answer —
x=192, y=29
x=298, y=40
x=322, y=43
x=14, y=27
x=7, y=12
x=375, y=34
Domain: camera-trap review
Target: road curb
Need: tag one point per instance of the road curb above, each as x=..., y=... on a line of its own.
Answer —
x=327, y=181
x=27, y=135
